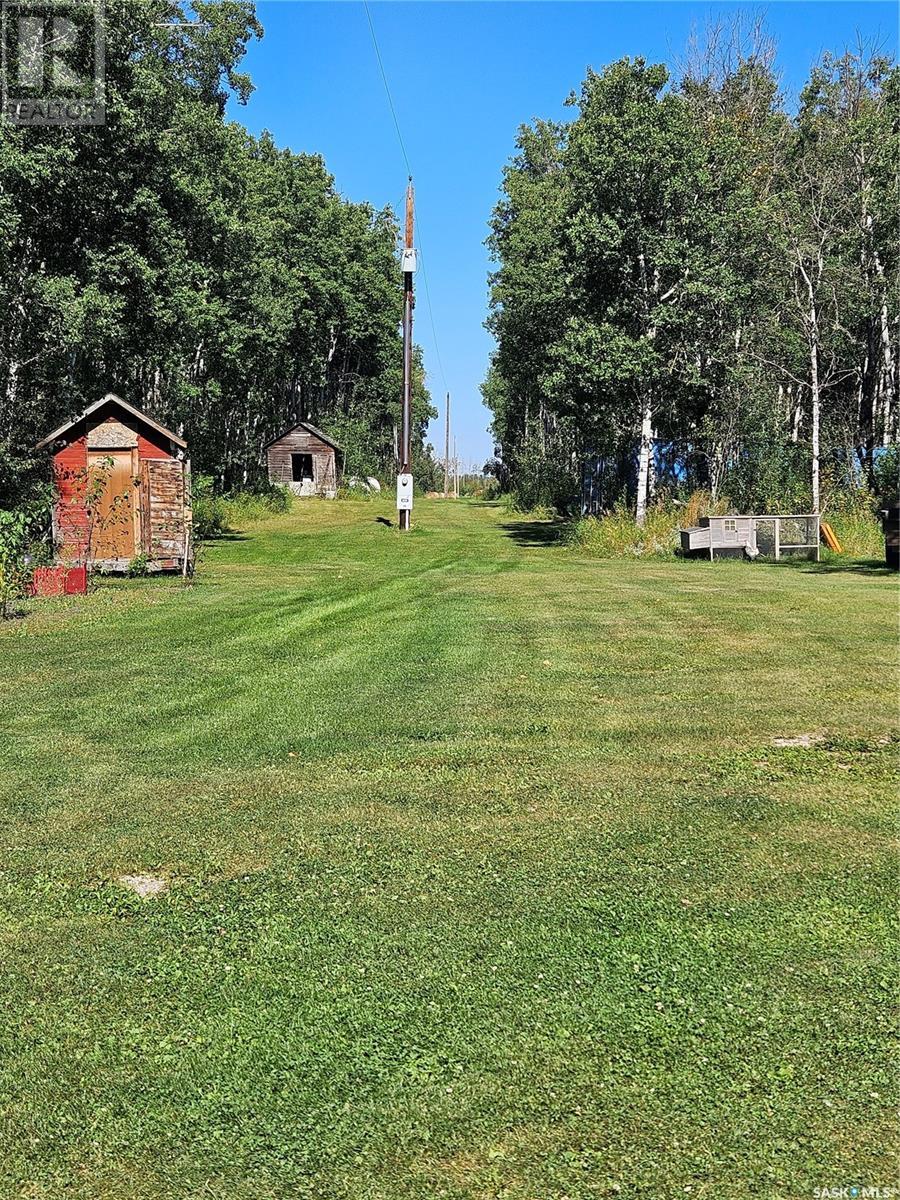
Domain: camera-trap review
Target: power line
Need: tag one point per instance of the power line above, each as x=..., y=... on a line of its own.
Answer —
x=387, y=87
x=437, y=351
x=409, y=171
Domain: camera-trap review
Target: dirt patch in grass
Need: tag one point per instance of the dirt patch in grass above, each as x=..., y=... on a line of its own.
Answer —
x=798, y=741
x=145, y=886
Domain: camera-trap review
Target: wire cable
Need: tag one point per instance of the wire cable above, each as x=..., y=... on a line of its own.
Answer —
x=409, y=171
x=387, y=89
x=434, y=336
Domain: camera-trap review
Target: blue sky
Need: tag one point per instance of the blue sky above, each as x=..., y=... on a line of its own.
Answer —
x=464, y=75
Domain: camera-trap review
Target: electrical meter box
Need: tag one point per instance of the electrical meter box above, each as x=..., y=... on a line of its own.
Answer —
x=404, y=492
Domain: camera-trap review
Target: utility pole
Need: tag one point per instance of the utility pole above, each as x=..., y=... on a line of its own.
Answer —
x=447, y=451
x=408, y=263
x=455, y=472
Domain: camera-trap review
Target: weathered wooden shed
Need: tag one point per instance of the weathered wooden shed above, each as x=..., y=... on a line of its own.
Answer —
x=305, y=460
x=769, y=534
x=122, y=489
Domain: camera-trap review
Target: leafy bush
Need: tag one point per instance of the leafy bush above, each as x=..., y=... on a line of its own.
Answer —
x=541, y=512
x=18, y=528
x=512, y=503
x=771, y=477
x=139, y=566
x=22, y=476
x=209, y=513
x=887, y=474
x=544, y=479
x=476, y=487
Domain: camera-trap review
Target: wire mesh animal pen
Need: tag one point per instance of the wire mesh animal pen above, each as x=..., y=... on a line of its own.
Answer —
x=767, y=535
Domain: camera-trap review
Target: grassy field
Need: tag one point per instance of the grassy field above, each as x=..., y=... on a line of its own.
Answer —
x=485, y=878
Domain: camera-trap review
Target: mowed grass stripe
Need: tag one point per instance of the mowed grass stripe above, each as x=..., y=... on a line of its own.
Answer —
x=484, y=876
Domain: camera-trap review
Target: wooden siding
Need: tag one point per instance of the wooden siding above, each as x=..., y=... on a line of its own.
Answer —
x=151, y=446
x=71, y=533
x=162, y=511
x=160, y=504
x=695, y=538
x=301, y=441
x=729, y=530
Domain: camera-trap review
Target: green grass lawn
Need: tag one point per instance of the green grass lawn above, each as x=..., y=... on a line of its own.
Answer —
x=485, y=876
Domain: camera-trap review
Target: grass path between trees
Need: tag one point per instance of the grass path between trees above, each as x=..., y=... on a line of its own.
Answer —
x=484, y=877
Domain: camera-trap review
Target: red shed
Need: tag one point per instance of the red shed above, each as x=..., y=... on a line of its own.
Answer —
x=123, y=489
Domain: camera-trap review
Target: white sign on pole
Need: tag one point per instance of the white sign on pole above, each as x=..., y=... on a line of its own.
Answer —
x=404, y=492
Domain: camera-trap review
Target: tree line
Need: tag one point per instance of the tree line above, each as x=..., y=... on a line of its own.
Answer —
x=208, y=276
x=695, y=286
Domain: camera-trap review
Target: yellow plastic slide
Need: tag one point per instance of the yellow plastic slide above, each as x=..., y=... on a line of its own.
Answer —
x=829, y=537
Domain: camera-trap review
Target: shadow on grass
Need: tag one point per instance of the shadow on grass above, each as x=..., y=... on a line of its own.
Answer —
x=535, y=533
x=857, y=566
x=228, y=535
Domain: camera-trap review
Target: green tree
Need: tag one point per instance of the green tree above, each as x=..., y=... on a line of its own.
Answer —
x=219, y=282
x=691, y=268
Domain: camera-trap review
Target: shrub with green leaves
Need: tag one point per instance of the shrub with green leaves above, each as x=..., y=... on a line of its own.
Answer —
x=210, y=519
x=887, y=474
x=18, y=527
x=139, y=566
x=215, y=514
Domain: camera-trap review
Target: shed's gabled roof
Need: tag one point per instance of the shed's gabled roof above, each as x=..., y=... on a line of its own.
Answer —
x=309, y=429
x=112, y=398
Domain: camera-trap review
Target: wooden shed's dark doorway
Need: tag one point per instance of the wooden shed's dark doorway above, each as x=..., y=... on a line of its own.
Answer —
x=301, y=467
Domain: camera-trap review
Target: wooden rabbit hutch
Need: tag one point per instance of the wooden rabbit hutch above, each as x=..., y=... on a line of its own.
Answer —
x=754, y=535
x=122, y=490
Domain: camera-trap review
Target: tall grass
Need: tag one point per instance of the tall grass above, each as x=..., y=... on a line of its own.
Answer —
x=215, y=515
x=852, y=515
x=618, y=535
x=861, y=536
x=854, y=518
x=256, y=506
x=516, y=507
x=699, y=504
